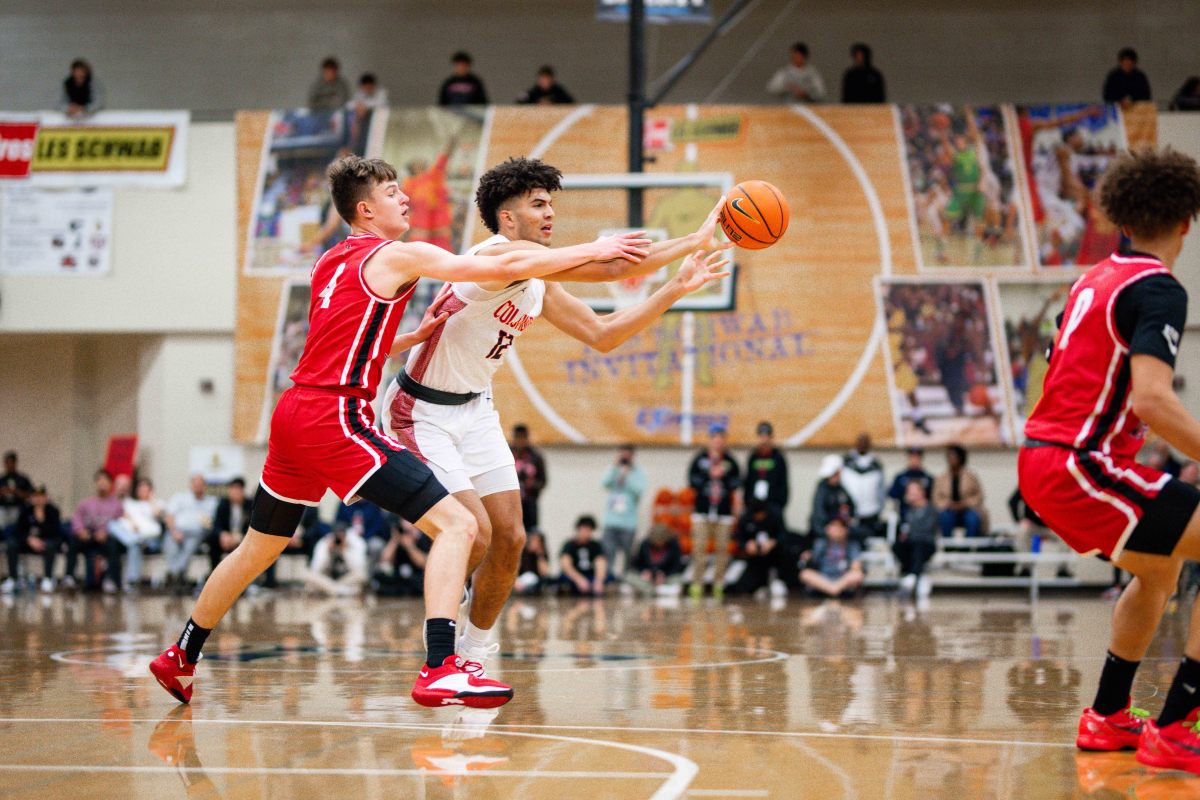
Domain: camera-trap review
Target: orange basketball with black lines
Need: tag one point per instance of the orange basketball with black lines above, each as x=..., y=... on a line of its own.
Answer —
x=755, y=215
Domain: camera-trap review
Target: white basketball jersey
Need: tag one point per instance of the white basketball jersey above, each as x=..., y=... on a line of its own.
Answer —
x=465, y=352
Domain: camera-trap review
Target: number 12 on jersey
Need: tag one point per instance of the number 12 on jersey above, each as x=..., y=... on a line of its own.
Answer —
x=503, y=343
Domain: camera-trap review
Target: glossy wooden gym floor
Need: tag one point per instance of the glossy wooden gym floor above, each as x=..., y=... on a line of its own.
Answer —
x=972, y=697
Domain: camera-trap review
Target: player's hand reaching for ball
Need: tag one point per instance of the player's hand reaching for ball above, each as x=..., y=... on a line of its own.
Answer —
x=629, y=246
x=708, y=235
x=430, y=322
x=701, y=268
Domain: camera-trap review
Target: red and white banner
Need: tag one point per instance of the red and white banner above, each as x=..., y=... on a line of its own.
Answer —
x=17, y=141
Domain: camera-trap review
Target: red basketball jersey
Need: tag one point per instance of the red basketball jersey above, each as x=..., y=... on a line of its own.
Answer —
x=1086, y=401
x=350, y=328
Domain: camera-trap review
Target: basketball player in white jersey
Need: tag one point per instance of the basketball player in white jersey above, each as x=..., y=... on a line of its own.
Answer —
x=440, y=406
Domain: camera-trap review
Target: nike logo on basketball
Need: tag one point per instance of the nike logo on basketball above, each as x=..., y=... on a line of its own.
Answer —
x=737, y=206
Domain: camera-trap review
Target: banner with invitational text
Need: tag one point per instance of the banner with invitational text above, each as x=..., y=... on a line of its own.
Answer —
x=907, y=299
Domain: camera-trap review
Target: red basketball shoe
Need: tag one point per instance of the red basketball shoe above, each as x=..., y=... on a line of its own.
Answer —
x=458, y=682
x=1174, y=746
x=174, y=673
x=1119, y=731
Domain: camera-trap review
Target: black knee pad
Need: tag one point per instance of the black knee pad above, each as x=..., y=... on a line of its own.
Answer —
x=274, y=516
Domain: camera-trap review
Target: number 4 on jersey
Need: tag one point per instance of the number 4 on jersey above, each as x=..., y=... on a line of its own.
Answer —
x=326, y=294
x=503, y=343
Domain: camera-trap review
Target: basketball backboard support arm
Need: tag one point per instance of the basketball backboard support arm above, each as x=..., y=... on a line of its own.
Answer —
x=637, y=86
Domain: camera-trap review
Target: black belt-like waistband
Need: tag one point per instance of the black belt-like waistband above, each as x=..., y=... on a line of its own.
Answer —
x=1034, y=443
x=435, y=396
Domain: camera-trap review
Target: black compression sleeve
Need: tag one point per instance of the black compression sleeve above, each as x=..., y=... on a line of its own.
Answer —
x=1150, y=316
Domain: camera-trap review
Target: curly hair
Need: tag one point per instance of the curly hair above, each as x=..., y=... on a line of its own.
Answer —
x=514, y=178
x=352, y=178
x=1148, y=192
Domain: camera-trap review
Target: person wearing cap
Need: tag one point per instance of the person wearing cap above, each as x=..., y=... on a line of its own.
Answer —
x=715, y=478
x=830, y=498
x=913, y=472
x=766, y=471
x=39, y=531
x=834, y=567
x=862, y=476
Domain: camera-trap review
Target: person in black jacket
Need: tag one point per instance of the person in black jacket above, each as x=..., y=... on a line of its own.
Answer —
x=1126, y=83
x=915, y=472
x=657, y=568
x=830, y=500
x=715, y=478
x=766, y=471
x=862, y=83
x=38, y=530
x=546, y=91
x=762, y=536
x=463, y=88
x=230, y=523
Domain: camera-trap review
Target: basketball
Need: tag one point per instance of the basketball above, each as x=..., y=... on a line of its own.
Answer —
x=755, y=215
x=979, y=396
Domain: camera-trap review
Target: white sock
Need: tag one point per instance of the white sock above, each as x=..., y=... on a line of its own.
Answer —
x=475, y=638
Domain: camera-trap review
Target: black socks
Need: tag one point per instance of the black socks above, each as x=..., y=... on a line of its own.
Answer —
x=439, y=641
x=1183, y=695
x=192, y=640
x=1116, y=684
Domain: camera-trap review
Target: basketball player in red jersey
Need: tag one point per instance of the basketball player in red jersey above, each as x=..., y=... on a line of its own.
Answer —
x=1111, y=373
x=441, y=405
x=323, y=434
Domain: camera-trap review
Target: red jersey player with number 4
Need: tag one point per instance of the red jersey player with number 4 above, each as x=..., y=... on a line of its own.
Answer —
x=1111, y=374
x=323, y=433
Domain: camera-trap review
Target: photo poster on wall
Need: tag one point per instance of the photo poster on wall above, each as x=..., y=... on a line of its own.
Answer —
x=55, y=231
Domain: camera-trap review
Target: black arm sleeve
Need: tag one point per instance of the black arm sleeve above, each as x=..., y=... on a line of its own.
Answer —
x=1150, y=316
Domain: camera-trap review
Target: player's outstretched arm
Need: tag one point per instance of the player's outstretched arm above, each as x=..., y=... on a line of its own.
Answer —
x=432, y=320
x=576, y=319
x=706, y=237
x=406, y=262
x=1155, y=401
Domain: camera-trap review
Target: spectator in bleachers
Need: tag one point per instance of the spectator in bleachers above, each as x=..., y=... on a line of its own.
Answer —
x=546, y=90
x=533, y=574
x=1159, y=456
x=81, y=93
x=658, y=566
x=834, y=567
x=189, y=519
x=369, y=95
x=15, y=490
x=369, y=521
x=914, y=472
x=230, y=523
x=308, y=533
x=1189, y=473
x=958, y=495
x=329, y=92
x=140, y=526
x=625, y=482
x=715, y=478
x=1126, y=83
x=38, y=530
x=584, y=567
x=797, y=81
x=863, y=83
x=766, y=471
x=864, y=481
x=531, y=471
x=463, y=87
x=1188, y=96
x=916, y=541
x=763, y=539
x=401, y=570
x=830, y=499
x=89, y=536
x=339, y=564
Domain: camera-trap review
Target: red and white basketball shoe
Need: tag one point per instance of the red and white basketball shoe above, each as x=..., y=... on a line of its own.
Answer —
x=459, y=682
x=174, y=673
x=1119, y=731
x=1174, y=746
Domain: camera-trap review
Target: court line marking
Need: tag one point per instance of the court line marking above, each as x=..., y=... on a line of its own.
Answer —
x=683, y=772
x=366, y=771
x=728, y=793
x=879, y=329
x=65, y=657
x=596, y=728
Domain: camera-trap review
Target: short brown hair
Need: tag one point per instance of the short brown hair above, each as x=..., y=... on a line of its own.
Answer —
x=352, y=178
x=1147, y=192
